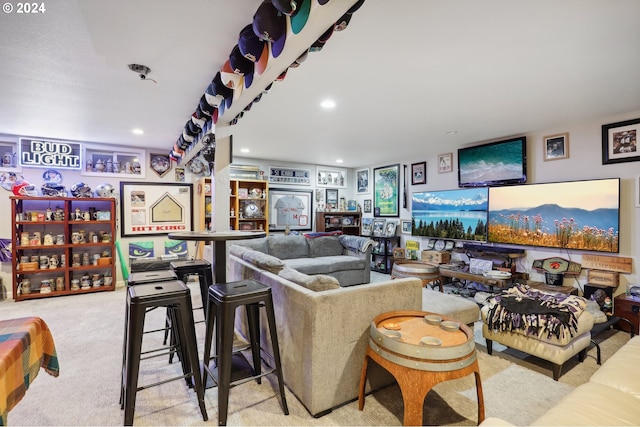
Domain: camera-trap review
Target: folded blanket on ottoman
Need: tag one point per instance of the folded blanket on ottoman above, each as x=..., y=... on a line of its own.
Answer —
x=531, y=312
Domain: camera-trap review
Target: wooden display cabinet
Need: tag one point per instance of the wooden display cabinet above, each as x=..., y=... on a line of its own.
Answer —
x=57, y=241
x=348, y=222
x=627, y=307
x=249, y=205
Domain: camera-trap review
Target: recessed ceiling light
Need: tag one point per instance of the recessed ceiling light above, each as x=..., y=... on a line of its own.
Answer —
x=339, y=161
x=137, y=131
x=328, y=104
x=244, y=150
x=451, y=132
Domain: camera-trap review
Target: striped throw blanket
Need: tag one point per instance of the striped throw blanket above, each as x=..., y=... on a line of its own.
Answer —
x=533, y=312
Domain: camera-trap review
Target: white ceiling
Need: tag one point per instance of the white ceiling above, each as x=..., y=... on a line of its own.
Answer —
x=403, y=74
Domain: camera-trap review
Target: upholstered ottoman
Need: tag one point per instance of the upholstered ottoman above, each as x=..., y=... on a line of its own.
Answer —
x=456, y=306
x=555, y=349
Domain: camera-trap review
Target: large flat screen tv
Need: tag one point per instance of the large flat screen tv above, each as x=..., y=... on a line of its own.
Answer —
x=452, y=214
x=496, y=163
x=581, y=215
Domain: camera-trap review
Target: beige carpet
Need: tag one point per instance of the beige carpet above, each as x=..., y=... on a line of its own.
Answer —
x=88, y=332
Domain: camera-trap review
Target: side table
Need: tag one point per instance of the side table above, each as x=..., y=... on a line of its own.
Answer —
x=399, y=342
x=627, y=307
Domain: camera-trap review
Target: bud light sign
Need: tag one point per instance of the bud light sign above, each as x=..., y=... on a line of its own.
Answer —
x=42, y=153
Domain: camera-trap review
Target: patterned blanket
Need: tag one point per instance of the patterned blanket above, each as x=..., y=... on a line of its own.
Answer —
x=533, y=312
x=26, y=345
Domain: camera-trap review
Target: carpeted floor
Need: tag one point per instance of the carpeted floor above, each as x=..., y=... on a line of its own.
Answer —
x=88, y=333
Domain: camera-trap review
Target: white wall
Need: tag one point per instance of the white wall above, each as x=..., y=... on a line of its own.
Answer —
x=584, y=162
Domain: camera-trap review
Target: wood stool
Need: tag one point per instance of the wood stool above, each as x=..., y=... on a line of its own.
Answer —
x=222, y=303
x=140, y=299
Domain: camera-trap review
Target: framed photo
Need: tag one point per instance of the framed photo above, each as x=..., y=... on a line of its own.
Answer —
x=406, y=226
x=367, y=226
x=390, y=229
x=556, y=147
x=332, y=197
x=295, y=176
x=362, y=181
x=418, y=173
x=160, y=163
x=332, y=178
x=445, y=162
x=155, y=208
x=386, y=182
x=367, y=205
x=620, y=142
x=179, y=174
x=378, y=227
x=398, y=253
x=290, y=208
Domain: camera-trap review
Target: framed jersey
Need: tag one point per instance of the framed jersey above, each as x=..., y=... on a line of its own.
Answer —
x=290, y=209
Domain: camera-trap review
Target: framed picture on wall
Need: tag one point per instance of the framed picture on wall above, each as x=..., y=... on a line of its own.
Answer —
x=332, y=178
x=155, y=208
x=406, y=226
x=362, y=181
x=419, y=173
x=620, y=142
x=290, y=209
x=332, y=197
x=386, y=184
x=556, y=147
x=367, y=205
x=445, y=163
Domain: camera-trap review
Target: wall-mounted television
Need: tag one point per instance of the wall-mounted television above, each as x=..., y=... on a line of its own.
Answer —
x=451, y=214
x=495, y=163
x=580, y=215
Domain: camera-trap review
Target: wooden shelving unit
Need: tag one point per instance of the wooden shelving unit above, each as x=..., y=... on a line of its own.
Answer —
x=249, y=205
x=348, y=222
x=62, y=240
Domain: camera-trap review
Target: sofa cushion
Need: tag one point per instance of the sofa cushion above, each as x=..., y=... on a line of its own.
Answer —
x=325, y=246
x=264, y=261
x=287, y=247
x=326, y=265
x=238, y=250
x=317, y=283
x=255, y=244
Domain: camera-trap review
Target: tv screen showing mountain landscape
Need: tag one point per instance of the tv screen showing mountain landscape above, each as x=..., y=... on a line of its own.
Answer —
x=582, y=215
x=452, y=214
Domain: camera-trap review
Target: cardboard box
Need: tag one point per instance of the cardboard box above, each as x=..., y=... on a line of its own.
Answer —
x=601, y=277
x=440, y=257
x=104, y=261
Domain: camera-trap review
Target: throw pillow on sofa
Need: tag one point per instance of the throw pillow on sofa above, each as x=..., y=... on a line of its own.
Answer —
x=288, y=247
x=264, y=261
x=316, y=282
x=325, y=246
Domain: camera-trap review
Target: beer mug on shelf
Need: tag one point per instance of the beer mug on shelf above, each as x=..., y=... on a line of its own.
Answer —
x=25, y=286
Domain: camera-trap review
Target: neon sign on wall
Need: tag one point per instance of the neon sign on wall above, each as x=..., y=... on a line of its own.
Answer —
x=46, y=154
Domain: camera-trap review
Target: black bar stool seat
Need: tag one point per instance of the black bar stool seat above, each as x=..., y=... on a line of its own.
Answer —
x=196, y=267
x=221, y=308
x=140, y=299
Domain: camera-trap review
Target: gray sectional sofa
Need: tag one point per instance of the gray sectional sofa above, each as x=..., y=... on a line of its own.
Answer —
x=323, y=329
x=346, y=258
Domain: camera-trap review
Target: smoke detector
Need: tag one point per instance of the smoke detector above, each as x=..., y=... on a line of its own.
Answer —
x=141, y=70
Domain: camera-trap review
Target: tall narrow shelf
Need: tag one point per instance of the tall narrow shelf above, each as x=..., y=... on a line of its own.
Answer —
x=206, y=201
x=77, y=233
x=382, y=253
x=249, y=205
x=348, y=222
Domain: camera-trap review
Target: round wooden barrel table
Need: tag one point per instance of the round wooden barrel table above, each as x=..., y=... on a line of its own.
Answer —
x=420, y=355
x=412, y=268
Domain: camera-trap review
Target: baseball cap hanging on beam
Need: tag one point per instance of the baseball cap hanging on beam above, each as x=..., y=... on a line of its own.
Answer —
x=271, y=26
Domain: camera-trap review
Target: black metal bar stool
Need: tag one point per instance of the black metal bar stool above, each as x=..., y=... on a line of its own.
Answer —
x=196, y=267
x=139, y=278
x=222, y=303
x=140, y=299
